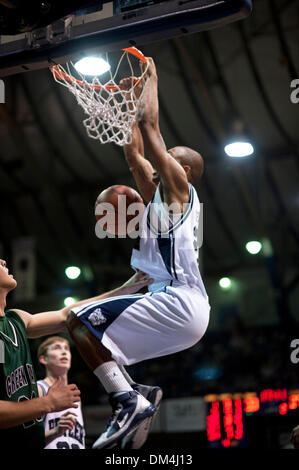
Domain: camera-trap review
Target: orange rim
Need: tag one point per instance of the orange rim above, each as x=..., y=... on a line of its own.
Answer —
x=136, y=53
x=60, y=75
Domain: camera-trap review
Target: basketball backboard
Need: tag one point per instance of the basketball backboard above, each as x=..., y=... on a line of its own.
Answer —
x=113, y=26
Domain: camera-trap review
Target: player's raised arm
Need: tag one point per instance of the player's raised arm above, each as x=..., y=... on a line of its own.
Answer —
x=139, y=166
x=172, y=174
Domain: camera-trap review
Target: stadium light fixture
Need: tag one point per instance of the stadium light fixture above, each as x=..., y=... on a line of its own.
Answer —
x=238, y=145
x=239, y=149
x=253, y=247
x=72, y=272
x=225, y=283
x=92, y=66
x=69, y=301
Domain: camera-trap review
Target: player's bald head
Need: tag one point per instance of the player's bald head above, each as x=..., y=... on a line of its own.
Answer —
x=188, y=157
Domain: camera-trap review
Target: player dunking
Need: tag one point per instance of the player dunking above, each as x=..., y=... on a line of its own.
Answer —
x=174, y=315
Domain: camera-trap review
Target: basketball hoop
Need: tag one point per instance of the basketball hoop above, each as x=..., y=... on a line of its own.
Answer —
x=111, y=109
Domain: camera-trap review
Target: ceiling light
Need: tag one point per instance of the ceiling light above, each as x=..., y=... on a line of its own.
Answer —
x=239, y=149
x=253, y=247
x=72, y=272
x=225, y=283
x=92, y=66
x=68, y=301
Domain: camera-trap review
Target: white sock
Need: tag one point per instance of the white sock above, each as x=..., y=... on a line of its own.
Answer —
x=111, y=377
x=126, y=375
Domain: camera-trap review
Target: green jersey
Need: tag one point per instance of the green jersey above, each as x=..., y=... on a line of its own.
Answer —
x=18, y=383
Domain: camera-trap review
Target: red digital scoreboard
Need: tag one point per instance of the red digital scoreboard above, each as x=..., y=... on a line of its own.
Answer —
x=226, y=413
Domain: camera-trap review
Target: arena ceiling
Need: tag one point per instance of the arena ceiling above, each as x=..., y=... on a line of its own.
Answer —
x=209, y=83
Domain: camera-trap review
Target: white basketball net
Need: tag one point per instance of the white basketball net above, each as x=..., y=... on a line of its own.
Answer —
x=111, y=111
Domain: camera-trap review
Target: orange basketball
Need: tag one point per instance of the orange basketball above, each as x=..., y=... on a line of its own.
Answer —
x=115, y=207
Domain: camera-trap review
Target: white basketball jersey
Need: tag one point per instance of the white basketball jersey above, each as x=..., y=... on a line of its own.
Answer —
x=167, y=249
x=74, y=439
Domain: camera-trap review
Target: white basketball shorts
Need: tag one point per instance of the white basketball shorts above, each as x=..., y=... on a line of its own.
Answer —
x=144, y=326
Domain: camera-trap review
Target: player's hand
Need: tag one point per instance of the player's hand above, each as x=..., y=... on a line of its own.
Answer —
x=128, y=83
x=66, y=422
x=61, y=397
x=136, y=282
x=295, y=437
x=149, y=67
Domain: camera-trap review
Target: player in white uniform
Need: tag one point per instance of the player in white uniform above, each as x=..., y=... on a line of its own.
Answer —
x=174, y=314
x=63, y=429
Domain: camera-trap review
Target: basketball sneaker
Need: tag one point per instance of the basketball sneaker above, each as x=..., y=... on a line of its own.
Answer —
x=136, y=439
x=130, y=409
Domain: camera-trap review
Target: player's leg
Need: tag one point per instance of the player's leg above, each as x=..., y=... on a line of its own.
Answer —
x=136, y=328
x=174, y=323
x=91, y=350
x=129, y=407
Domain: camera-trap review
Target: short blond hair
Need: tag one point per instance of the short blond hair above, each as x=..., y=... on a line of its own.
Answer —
x=43, y=347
